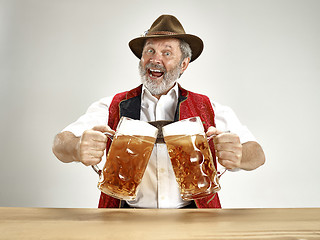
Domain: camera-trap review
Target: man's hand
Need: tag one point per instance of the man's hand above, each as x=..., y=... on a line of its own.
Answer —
x=228, y=148
x=92, y=144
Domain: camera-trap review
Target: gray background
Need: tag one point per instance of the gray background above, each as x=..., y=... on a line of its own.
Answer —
x=260, y=57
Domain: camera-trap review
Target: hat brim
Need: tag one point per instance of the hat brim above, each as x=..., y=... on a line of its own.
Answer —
x=196, y=44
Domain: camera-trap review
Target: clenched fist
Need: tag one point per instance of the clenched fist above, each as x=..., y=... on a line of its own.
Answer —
x=228, y=148
x=92, y=144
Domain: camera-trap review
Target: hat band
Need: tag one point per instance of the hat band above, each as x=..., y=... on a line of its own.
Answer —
x=161, y=33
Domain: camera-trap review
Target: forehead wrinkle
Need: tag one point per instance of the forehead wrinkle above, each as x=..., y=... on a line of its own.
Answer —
x=152, y=42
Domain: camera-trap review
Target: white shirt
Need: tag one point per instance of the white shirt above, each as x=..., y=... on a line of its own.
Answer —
x=158, y=188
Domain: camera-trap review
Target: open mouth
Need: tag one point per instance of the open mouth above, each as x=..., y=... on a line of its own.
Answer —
x=155, y=73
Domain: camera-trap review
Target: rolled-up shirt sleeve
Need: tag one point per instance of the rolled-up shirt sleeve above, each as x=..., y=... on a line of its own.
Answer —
x=96, y=114
x=227, y=120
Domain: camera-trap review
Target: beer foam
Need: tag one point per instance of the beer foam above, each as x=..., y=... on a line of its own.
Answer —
x=188, y=126
x=128, y=126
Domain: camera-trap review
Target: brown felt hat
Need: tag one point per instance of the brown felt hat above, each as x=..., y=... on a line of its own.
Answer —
x=167, y=26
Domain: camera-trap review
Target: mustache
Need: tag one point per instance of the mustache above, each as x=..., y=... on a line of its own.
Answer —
x=156, y=66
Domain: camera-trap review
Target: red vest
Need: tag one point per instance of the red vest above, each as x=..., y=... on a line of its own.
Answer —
x=189, y=105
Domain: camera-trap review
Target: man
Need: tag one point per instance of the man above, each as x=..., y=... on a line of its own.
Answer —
x=164, y=52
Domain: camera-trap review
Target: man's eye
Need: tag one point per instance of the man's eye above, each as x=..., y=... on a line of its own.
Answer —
x=167, y=53
x=150, y=51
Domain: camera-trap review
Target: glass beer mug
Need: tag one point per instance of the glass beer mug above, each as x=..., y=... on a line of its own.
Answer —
x=191, y=158
x=127, y=158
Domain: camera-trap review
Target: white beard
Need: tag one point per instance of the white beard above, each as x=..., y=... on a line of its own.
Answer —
x=156, y=88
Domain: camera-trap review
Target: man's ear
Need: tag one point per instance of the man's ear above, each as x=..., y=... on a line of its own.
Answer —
x=184, y=65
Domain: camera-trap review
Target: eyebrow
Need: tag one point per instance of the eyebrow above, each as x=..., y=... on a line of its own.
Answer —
x=151, y=42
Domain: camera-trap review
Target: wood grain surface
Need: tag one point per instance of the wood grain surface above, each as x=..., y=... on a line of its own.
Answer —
x=73, y=223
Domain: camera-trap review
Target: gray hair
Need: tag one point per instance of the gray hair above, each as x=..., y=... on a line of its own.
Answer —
x=185, y=50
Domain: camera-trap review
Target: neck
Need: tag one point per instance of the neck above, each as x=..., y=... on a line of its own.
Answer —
x=164, y=93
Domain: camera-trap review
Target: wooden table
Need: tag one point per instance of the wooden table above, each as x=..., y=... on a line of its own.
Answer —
x=72, y=223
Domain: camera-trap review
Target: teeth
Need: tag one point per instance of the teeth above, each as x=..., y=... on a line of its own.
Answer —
x=151, y=71
x=155, y=70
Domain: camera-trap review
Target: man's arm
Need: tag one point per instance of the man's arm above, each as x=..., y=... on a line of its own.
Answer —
x=66, y=147
x=252, y=156
x=88, y=149
x=232, y=154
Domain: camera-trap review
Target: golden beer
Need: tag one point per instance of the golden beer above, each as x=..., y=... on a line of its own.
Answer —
x=192, y=163
x=125, y=165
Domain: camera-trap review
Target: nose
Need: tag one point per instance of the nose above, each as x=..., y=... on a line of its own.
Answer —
x=156, y=59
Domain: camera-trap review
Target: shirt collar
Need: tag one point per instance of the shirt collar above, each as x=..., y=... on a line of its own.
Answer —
x=174, y=92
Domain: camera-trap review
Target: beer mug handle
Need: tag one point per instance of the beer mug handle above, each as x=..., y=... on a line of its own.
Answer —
x=95, y=167
x=221, y=171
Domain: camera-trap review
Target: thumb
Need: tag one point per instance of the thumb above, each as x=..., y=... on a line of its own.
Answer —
x=212, y=131
x=103, y=128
